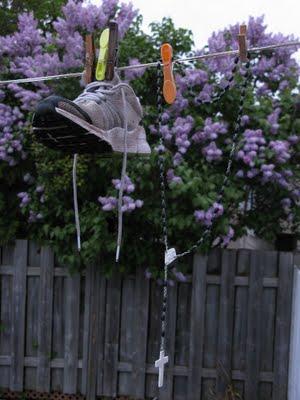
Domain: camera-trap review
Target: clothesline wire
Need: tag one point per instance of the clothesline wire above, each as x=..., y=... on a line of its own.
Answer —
x=154, y=64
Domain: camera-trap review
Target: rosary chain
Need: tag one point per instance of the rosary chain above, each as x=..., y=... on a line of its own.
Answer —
x=218, y=96
x=236, y=131
x=161, y=163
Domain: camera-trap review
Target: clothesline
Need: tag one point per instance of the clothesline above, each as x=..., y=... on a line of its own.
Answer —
x=154, y=64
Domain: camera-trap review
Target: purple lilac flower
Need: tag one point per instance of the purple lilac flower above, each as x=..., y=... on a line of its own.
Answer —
x=253, y=146
x=245, y=120
x=293, y=139
x=129, y=187
x=172, y=178
x=212, y=152
x=25, y=198
x=206, y=217
x=286, y=204
x=211, y=131
x=281, y=150
x=273, y=120
x=226, y=239
x=108, y=203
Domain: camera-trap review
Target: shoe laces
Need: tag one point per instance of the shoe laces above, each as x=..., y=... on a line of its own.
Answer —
x=97, y=91
x=94, y=91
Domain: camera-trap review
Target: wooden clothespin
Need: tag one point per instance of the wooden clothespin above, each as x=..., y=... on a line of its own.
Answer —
x=169, y=87
x=243, y=47
x=112, y=50
x=89, y=59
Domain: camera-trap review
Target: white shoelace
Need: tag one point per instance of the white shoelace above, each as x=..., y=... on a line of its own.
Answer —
x=95, y=91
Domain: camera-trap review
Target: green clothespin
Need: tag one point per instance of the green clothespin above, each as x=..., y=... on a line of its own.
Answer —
x=103, y=53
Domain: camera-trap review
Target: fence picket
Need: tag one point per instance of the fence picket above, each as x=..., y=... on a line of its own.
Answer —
x=166, y=392
x=111, y=351
x=45, y=320
x=72, y=303
x=140, y=334
x=253, y=326
x=283, y=323
x=197, y=327
x=225, y=330
x=18, y=315
x=215, y=315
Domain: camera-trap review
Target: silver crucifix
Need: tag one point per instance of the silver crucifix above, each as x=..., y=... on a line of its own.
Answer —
x=160, y=364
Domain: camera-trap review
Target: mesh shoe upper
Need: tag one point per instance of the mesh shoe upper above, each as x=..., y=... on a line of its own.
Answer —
x=99, y=114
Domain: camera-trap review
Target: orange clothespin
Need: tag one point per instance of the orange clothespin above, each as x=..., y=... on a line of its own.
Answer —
x=243, y=47
x=89, y=73
x=169, y=88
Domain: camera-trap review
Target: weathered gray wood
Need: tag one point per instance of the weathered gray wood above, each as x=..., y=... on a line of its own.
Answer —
x=268, y=310
x=81, y=319
x=139, y=355
x=283, y=323
x=86, y=328
x=18, y=315
x=154, y=324
x=45, y=320
x=240, y=314
x=254, y=326
x=115, y=357
x=197, y=327
x=127, y=344
x=210, y=326
x=127, y=320
x=31, y=344
x=6, y=300
x=294, y=382
x=182, y=345
x=92, y=365
x=58, y=331
x=154, y=329
x=8, y=254
x=100, y=335
x=166, y=392
x=226, y=319
x=110, y=377
x=32, y=313
x=72, y=304
x=89, y=361
x=34, y=255
x=180, y=387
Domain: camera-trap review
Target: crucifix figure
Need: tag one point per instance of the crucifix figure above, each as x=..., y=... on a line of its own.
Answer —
x=160, y=364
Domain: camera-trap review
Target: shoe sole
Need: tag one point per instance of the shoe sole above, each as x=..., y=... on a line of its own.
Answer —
x=136, y=138
x=60, y=133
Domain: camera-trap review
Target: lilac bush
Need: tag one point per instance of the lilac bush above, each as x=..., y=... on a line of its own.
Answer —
x=197, y=140
x=30, y=52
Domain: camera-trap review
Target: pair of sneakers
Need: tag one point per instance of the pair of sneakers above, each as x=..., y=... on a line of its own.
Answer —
x=95, y=122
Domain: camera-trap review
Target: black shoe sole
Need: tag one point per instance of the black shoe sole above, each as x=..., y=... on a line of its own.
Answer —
x=59, y=133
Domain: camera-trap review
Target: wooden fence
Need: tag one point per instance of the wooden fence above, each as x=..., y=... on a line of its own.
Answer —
x=100, y=337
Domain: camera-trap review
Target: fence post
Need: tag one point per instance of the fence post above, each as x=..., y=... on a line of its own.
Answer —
x=18, y=315
x=294, y=382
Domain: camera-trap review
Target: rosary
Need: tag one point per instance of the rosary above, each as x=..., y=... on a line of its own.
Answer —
x=170, y=253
